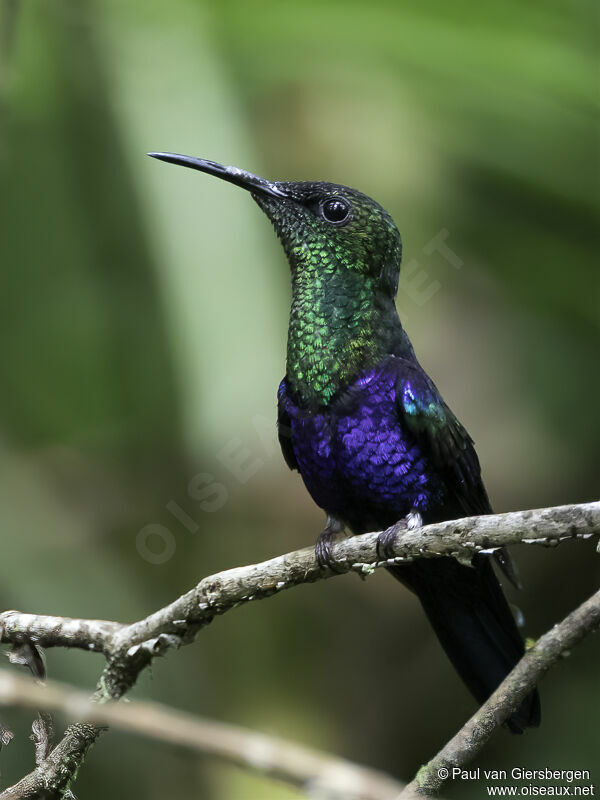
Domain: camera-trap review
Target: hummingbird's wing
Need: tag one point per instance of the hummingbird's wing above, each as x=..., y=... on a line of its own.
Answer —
x=284, y=427
x=448, y=446
x=441, y=437
x=465, y=604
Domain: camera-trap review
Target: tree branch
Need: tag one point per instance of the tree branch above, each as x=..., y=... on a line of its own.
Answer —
x=52, y=776
x=130, y=648
x=178, y=622
x=465, y=745
x=307, y=769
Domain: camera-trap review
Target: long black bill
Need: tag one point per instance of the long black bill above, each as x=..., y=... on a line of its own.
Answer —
x=238, y=177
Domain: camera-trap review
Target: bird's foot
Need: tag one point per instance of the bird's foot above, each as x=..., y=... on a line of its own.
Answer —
x=324, y=544
x=386, y=541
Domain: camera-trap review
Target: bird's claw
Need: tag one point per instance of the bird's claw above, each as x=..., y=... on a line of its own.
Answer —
x=323, y=547
x=386, y=541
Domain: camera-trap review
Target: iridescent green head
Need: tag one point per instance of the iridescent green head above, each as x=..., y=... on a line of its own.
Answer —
x=344, y=252
x=337, y=229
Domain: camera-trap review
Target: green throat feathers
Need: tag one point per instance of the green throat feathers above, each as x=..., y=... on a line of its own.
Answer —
x=344, y=253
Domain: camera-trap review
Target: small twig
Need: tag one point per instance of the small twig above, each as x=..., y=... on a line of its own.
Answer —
x=52, y=777
x=42, y=732
x=6, y=736
x=322, y=775
x=465, y=745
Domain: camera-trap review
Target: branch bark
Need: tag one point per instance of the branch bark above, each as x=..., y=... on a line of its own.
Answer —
x=128, y=649
x=53, y=775
x=465, y=745
x=179, y=622
x=321, y=775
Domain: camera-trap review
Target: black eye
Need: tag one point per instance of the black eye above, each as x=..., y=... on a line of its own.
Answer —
x=336, y=210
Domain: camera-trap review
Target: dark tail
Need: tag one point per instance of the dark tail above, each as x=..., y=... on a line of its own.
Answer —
x=474, y=624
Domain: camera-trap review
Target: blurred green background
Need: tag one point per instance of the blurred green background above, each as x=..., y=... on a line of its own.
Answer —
x=142, y=338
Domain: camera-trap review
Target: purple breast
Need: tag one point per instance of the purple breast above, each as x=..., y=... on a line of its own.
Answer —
x=356, y=459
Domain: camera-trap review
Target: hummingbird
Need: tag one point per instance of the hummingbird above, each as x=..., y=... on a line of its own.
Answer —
x=366, y=427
